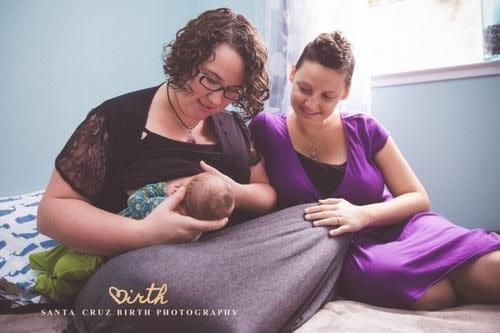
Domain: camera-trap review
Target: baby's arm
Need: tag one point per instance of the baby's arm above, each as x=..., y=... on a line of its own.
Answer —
x=145, y=199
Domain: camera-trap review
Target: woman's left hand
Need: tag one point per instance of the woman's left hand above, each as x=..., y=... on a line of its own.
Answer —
x=210, y=169
x=256, y=197
x=338, y=213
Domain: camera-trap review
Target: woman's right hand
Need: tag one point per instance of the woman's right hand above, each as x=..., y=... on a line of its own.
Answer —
x=165, y=226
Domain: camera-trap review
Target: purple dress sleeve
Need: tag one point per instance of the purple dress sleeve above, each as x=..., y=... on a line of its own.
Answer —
x=256, y=126
x=377, y=136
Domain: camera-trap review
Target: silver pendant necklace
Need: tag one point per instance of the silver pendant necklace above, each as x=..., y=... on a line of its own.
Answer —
x=189, y=129
x=313, y=149
x=313, y=153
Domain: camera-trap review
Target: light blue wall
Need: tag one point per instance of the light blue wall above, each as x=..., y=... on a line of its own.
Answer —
x=60, y=58
x=450, y=133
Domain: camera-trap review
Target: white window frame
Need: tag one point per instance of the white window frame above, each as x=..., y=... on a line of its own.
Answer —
x=460, y=71
x=484, y=68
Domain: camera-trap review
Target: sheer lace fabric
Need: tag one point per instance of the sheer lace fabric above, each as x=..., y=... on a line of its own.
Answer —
x=83, y=162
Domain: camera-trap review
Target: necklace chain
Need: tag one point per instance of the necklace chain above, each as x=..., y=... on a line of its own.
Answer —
x=313, y=153
x=189, y=129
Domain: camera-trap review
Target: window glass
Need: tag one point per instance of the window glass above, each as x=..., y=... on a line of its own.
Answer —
x=408, y=35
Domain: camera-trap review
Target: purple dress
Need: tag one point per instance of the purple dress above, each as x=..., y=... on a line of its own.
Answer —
x=388, y=266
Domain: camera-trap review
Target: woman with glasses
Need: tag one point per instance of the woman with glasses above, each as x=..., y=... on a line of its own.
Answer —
x=162, y=133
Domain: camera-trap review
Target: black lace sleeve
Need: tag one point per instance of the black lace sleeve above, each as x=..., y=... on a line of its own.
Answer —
x=84, y=160
x=253, y=156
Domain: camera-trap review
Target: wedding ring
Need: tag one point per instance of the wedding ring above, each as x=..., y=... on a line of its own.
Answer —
x=337, y=220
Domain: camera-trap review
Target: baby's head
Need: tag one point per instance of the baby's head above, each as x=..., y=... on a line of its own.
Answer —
x=208, y=197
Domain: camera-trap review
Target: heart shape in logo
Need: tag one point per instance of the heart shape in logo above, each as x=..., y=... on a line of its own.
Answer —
x=120, y=296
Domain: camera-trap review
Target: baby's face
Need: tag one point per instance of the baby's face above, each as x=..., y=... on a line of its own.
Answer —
x=172, y=186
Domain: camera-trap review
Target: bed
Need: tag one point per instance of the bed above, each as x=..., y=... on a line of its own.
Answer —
x=19, y=237
x=336, y=316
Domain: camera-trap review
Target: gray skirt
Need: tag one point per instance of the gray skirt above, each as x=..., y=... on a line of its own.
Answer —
x=269, y=274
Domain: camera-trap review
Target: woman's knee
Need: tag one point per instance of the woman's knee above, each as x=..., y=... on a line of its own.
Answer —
x=493, y=259
x=439, y=296
x=492, y=265
x=477, y=282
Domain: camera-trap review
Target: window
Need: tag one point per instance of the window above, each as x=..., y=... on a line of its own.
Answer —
x=410, y=35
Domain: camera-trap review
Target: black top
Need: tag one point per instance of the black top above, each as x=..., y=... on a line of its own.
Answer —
x=325, y=177
x=105, y=157
x=158, y=158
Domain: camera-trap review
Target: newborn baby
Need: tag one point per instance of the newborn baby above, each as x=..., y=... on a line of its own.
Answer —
x=63, y=271
x=208, y=197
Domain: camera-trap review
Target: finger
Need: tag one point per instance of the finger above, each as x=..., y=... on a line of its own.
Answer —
x=207, y=225
x=331, y=221
x=172, y=201
x=320, y=208
x=340, y=230
x=329, y=201
x=208, y=168
x=197, y=237
x=319, y=215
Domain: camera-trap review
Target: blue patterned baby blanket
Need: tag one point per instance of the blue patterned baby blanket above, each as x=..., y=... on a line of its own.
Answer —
x=19, y=237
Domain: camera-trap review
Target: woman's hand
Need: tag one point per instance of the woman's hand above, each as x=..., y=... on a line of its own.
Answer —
x=165, y=226
x=236, y=188
x=210, y=169
x=338, y=213
x=258, y=197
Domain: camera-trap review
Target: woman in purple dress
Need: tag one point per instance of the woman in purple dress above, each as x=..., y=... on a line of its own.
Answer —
x=401, y=254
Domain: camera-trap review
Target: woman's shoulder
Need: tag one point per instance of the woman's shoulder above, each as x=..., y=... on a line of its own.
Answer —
x=357, y=117
x=270, y=116
x=268, y=120
x=125, y=115
x=368, y=129
x=361, y=121
x=138, y=100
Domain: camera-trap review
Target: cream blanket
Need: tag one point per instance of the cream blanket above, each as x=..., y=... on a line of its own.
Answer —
x=338, y=316
x=352, y=317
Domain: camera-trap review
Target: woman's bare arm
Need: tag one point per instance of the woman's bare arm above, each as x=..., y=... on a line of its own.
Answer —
x=68, y=217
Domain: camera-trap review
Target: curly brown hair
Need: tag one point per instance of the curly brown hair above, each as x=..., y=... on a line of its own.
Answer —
x=331, y=50
x=196, y=42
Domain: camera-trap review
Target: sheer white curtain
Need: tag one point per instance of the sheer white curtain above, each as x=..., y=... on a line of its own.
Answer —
x=288, y=25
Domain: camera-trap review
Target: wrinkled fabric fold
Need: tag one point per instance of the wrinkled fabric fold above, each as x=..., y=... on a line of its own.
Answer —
x=272, y=273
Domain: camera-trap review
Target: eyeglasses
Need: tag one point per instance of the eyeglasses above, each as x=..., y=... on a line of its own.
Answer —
x=232, y=94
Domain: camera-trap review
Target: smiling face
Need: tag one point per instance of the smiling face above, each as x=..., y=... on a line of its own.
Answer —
x=196, y=42
x=226, y=69
x=316, y=91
